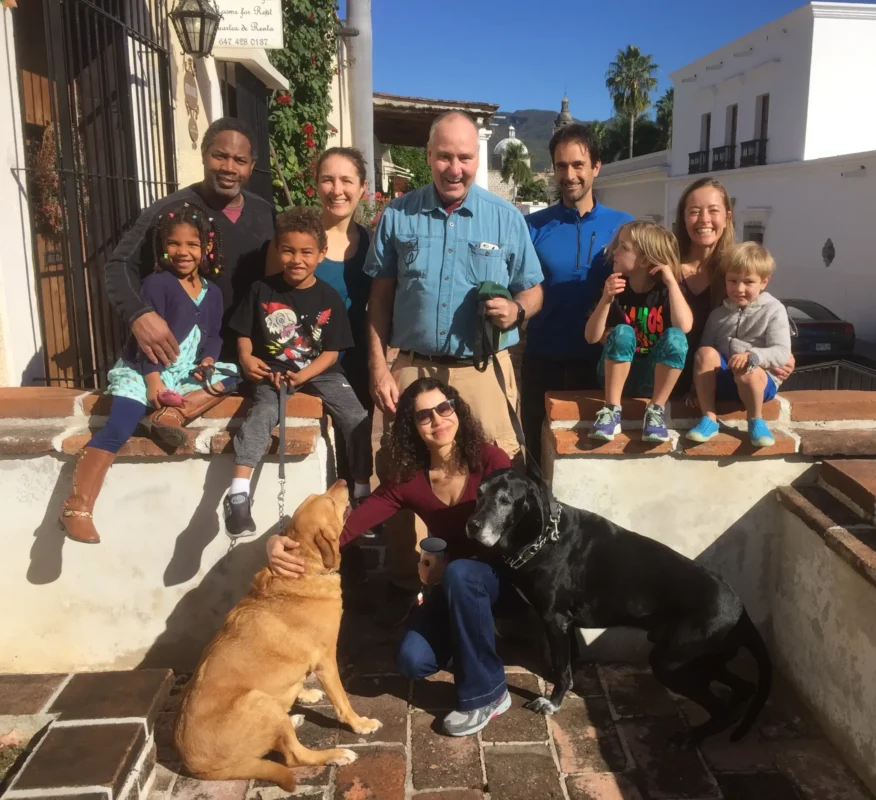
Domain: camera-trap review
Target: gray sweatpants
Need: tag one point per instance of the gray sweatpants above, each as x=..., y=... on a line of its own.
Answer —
x=254, y=436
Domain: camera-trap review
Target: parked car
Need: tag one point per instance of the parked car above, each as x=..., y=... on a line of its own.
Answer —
x=817, y=333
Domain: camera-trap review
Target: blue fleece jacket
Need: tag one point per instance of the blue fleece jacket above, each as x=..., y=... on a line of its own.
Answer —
x=571, y=249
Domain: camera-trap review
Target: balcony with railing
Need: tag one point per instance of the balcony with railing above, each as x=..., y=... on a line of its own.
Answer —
x=753, y=153
x=724, y=157
x=698, y=162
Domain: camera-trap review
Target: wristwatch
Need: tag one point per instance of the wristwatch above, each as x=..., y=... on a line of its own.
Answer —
x=521, y=315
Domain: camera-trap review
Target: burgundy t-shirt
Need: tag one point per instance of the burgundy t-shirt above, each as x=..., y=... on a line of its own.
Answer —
x=452, y=207
x=233, y=213
x=447, y=522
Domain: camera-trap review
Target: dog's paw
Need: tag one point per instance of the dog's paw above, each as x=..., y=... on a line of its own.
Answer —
x=541, y=705
x=297, y=720
x=310, y=696
x=365, y=725
x=346, y=757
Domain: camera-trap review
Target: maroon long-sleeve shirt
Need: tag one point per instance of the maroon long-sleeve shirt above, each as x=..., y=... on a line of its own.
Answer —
x=416, y=495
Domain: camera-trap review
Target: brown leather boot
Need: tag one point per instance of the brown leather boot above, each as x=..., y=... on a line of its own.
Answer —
x=167, y=423
x=77, y=517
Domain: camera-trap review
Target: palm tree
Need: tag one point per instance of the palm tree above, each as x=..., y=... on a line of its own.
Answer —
x=515, y=166
x=599, y=132
x=664, y=115
x=630, y=81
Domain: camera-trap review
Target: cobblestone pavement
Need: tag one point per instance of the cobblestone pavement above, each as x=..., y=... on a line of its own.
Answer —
x=609, y=742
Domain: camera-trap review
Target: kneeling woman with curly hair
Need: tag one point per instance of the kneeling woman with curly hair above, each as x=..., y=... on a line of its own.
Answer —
x=438, y=456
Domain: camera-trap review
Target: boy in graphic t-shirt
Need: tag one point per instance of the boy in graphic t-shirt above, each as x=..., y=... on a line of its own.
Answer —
x=641, y=319
x=291, y=328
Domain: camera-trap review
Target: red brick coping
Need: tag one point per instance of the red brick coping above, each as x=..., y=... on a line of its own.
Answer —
x=36, y=420
x=809, y=423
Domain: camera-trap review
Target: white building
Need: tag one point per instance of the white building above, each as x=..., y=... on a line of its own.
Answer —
x=781, y=117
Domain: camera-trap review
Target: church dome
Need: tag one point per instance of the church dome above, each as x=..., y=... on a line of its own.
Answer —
x=499, y=149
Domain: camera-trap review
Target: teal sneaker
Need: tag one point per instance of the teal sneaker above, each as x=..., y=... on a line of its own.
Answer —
x=704, y=430
x=759, y=433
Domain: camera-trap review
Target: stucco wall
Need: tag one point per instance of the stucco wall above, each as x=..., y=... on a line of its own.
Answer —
x=824, y=638
x=159, y=584
x=645, y=198
x=841, y=48
x=339, y=117
x=719, y=513
x=20, y=338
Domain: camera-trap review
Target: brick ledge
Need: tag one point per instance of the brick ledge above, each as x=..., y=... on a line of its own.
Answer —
x=807, y=406
x=46, y=402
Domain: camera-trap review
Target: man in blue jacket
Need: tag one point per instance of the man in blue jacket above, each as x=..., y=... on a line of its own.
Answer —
x=570, y=239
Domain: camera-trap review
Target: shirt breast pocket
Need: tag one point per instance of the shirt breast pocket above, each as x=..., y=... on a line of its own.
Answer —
x=486, y=265
x=413, y=256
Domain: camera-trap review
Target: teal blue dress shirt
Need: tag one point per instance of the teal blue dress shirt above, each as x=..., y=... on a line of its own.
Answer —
x=439, y=260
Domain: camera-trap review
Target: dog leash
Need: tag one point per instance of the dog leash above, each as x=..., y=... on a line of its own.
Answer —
x=484, y=342
x=281, y=449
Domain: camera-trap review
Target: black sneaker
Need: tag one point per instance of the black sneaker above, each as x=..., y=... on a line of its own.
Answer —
x=397, y=606
x=238, y=519
x=371, y=533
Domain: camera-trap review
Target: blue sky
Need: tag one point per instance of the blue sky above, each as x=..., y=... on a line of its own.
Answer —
x=526, y=53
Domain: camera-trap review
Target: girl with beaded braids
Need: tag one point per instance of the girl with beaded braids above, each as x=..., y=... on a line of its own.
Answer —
x=188, y=256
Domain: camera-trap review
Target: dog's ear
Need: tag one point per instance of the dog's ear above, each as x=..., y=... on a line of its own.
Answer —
x=328, y=549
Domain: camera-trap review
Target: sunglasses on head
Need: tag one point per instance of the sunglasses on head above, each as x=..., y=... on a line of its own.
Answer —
x=444, y=409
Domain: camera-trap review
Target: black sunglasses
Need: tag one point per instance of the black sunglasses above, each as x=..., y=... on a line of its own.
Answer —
x=444, y=409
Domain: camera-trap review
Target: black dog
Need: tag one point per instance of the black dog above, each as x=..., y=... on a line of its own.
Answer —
x=578, y=569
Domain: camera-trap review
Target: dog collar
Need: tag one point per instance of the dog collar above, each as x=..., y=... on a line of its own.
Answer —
x=550, y=534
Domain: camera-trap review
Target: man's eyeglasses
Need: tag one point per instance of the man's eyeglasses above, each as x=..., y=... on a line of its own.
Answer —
x=443, y=409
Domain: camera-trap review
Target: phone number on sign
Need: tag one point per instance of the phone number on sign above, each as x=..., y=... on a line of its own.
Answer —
x=228, y=41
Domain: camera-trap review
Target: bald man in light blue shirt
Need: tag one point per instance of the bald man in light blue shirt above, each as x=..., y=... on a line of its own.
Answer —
x=432, y=249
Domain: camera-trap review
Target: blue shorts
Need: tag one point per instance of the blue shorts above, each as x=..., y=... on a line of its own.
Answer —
x=727, y=389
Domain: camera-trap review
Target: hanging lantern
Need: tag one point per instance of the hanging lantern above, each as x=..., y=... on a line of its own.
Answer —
x=196, y=23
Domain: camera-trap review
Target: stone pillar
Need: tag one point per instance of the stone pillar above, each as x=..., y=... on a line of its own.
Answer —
x=482, y=178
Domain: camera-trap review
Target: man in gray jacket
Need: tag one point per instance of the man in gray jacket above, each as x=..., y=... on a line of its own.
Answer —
x=744, y=338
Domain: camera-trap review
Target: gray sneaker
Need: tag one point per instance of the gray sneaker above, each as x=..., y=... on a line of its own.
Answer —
x=465, y=723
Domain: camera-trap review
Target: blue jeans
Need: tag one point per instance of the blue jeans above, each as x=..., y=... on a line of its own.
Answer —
x=670, y=349
x=456, y=622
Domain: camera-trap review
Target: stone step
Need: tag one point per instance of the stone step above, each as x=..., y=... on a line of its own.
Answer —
x=854, y=482
x=844, y=531
x=100, y=742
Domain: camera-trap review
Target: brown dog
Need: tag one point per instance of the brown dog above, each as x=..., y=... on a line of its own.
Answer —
x=236, y=707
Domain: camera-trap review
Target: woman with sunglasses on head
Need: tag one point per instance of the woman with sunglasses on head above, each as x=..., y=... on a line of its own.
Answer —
x=438, y=456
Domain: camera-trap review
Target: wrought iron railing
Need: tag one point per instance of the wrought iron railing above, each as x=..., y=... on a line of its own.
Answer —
x=753, y=153
x=698, y=162
x=832, y=375
x=724, y=157
x=107, y=153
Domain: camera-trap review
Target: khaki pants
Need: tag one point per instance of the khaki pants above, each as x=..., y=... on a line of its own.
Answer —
x=483, y=394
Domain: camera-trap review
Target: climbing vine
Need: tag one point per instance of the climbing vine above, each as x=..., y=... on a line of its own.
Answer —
x=299, y=117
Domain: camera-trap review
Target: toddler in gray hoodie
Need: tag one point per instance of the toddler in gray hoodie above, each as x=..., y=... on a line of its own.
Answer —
x=744, y=338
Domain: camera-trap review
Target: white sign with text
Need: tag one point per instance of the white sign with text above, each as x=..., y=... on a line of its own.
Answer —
x=251, y=24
